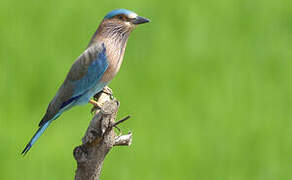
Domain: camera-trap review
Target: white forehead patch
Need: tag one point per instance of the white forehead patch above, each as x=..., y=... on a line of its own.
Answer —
x=132, y=15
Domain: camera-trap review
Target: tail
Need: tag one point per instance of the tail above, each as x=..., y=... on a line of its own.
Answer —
x=35, y=137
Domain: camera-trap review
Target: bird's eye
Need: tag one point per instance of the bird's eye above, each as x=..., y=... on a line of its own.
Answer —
x=121, y=17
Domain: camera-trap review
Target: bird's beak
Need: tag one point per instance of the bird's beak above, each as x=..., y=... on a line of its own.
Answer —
x=140, y=20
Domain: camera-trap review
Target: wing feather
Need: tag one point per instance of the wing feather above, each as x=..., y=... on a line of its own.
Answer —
x=83, y=75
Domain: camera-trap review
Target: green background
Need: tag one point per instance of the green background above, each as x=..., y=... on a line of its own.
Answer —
x=207, y=83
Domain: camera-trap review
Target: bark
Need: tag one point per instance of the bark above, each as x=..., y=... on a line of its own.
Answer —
x=99, y=139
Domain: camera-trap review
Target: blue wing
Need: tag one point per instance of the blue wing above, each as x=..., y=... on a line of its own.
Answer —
x=82, y=77
x=95, y=69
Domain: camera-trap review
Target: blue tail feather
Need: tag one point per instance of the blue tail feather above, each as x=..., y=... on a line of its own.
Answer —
x=26, y=149
x=35, y=137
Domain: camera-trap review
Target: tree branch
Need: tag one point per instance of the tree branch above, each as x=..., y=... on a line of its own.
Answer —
x=98, y=140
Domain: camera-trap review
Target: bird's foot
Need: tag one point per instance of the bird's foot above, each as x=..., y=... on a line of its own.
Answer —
x=105, y=90
x=108, y=91
x=105, y=94
x=95, y=104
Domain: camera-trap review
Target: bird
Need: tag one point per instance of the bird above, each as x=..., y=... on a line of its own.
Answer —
x=93, y=69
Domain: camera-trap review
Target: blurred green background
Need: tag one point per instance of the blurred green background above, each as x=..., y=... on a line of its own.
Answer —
x=207, y=83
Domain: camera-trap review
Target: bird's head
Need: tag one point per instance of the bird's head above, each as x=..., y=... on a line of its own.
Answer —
x=120, y=22
x=116, y=26
x=125, y=18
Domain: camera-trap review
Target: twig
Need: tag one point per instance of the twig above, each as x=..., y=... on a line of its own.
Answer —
x=123, y=140
x=122, y=120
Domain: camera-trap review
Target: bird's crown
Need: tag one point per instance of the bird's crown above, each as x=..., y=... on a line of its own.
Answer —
x=125, y=12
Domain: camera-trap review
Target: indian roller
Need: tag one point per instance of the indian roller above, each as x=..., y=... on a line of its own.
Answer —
x=94, y=68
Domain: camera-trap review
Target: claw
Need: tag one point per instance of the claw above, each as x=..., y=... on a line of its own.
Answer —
x=108, y=91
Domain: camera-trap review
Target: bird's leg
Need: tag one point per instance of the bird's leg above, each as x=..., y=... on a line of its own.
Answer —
x=95, y=104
